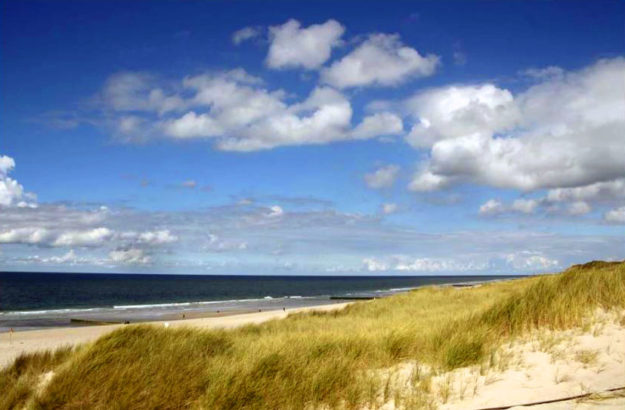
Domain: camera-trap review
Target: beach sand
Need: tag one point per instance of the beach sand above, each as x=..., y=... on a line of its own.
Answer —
x=542, y=366
x=12, y=345
x=547, y=366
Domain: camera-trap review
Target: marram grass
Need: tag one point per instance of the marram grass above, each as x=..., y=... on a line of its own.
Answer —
x=310, y=360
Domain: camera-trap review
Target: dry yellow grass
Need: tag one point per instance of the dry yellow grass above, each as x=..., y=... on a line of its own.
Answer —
x=313, y=360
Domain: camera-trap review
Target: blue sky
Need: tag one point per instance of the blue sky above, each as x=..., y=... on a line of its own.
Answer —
x=311, y=137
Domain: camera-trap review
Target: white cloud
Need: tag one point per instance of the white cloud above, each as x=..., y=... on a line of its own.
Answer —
x=597, y=192
x=132, y=256
x=70, y=258
x=216, y=244
x=525, y=206
x=459, y=111
x=579, y=208
x=381, y=60
x=6, y=165
x=26, y=235
x=570, y=133
x=245, y=117
x=245, y=236
x=237, y=112
x=275, y=211
x=11, y=192
x=310, y=47
x=157, y=237
x=383, y=177
x=403, y=263
x=492, y=207
x=93, y=237
x=379, y=124
x=374, y=265
x=389, y=208
x=521, y=205
x=325, y=116
x=244, y=34
x=426, y=180
x=526, y=260
x=616, y=216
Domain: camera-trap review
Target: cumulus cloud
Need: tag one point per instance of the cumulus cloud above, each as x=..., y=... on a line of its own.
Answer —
x=492, y=207
x=374, y=265
x=325, y=116
x=404, y=263
x=458, y=111
x=526, y=206
x=564, y=132
x=26, y=235
x=616, y=216
x=236, y=111
x=157, y=237
x=291, y=45
x=521, y=205
x=131, y=256
x=597, y=192
x=383, y=177
x=6, y=165
x=379, y=124
x=381, y=60
x=11, y=192
x=244, y=34
x=93, y=237
x=579, y=208
x=519, y=261
x=527, y=260
x=68, y=258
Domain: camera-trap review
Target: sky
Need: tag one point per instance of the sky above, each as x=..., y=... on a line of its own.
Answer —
x=285, y=138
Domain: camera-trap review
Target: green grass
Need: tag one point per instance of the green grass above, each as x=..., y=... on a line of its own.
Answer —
x=333, y=359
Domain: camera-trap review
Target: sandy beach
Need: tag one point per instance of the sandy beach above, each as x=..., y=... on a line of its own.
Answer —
x=12, y=345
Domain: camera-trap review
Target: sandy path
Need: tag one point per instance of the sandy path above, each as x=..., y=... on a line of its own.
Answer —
x=12, y=345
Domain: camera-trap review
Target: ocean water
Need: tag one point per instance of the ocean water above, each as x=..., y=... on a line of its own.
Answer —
x=39, y=300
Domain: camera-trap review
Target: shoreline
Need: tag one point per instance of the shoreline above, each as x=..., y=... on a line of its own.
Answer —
x=29, y=341
x=12, y=344
x=61, y=317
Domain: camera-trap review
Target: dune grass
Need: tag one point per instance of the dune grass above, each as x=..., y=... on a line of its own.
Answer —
x=312, y=360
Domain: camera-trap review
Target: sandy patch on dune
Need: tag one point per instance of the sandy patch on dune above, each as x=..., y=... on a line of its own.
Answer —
x=552, y=365
x=545, y=365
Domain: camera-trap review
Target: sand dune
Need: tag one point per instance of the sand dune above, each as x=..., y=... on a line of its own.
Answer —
x=548, y=366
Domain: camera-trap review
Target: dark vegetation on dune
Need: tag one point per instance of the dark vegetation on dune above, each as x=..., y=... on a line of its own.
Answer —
x=309, y=360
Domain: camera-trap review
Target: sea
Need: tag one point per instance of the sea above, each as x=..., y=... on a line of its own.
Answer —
x=43, y=300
